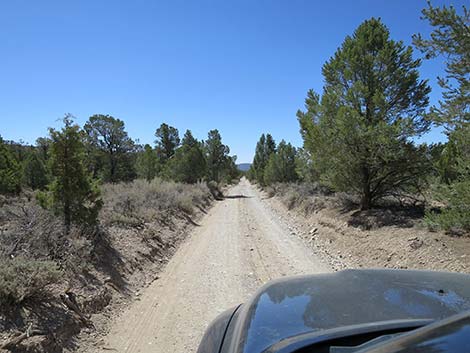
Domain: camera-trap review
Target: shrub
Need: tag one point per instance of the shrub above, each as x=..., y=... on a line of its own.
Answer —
x=22, y=279
x=306, y=196
x=214, y=189
x=455, y=217
x=132, y=204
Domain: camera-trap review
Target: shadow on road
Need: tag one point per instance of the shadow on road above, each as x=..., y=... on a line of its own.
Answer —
x=237, y=197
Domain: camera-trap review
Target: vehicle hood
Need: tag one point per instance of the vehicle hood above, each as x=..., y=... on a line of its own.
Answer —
x=297, y=305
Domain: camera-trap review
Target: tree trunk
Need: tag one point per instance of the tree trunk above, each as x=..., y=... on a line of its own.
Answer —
x=67, y=217
x=366, y=200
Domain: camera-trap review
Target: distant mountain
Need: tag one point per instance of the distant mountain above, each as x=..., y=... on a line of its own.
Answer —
x=244, y=166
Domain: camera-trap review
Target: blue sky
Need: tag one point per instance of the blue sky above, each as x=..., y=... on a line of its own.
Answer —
x=240, y=66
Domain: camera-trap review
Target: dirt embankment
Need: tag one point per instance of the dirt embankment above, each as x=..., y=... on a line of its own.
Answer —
x=381, y=238
x=157, y=282
x=142, y=225
x=238, y=246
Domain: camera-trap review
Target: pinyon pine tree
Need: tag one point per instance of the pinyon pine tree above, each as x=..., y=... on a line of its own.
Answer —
x=451, y=38
x=373, y=102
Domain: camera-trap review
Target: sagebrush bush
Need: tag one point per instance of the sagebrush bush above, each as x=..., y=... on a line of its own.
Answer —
x=22, y=279
x=132, y=204
x=306, y=196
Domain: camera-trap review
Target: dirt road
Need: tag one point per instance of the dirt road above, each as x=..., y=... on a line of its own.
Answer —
x=239, y=245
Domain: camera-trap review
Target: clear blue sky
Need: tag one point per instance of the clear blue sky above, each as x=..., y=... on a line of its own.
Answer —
x=242, y=66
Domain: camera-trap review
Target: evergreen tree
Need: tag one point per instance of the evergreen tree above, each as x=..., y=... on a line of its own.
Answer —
x=71, y=193
x=167, y=141
x=113, y=147
x=10, y=171
x=34, y=172
x=42, y=145
x=373, y=102
x=188, y=164
x=259, y=162
x=189, y=140
x=147, y=163
x=304, y=166
x=451, y=38
x=231, y=171
x=265, y=147
x=281, y=165
x=216, y=155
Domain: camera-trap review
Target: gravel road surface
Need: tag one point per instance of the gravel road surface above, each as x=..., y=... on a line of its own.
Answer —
x=238, y=246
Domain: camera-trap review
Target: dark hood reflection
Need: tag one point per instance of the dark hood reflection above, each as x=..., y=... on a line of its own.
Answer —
x=305, y=304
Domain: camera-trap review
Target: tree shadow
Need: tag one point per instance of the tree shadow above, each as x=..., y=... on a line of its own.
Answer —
x=237, y=197
x=109, y=261
x=402, y=217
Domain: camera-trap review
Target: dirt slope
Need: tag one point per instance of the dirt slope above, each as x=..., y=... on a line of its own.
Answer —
x=238, y=246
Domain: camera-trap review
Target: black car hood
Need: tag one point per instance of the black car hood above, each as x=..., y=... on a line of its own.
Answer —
x=296, y=305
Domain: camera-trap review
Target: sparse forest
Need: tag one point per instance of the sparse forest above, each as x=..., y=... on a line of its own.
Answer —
x=89, y=215
x=64, y=199
x=360, y=134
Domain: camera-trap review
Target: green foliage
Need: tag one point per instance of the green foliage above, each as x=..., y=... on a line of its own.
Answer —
x=265, y=147
x=216, y=156
x=451, y=38
x=230, y=172
x=71, y=193
x=10, y=171
x=167, y=141
x=34, y=172
x=304, y=166
x=281, y=165
x=373, y=102
x=455, y=194
x=456, y=215
x=110, y=151
x=22, y=279
x=147, y=163
x=188, y=164
x=42, y=146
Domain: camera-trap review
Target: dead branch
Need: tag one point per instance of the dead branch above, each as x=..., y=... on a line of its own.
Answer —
x=17, y=339
x=70, y=301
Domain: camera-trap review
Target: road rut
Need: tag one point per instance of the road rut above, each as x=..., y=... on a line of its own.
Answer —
x=238, y=246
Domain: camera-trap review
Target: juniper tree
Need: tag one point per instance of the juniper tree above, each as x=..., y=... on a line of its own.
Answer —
x=71, y=194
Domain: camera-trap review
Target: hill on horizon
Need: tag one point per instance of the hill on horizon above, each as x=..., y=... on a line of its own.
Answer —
x=244, y=166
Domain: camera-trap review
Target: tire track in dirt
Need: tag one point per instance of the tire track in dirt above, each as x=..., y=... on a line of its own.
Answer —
x=239, y=245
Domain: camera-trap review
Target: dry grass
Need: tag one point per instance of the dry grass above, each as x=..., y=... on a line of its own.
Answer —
x=22, y=279
x=37, y=237
x=312, y=198
x=306, y=197
x=139, y=202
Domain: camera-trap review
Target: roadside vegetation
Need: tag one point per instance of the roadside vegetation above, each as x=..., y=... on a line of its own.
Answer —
x=86, y=212
x=360, y=135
